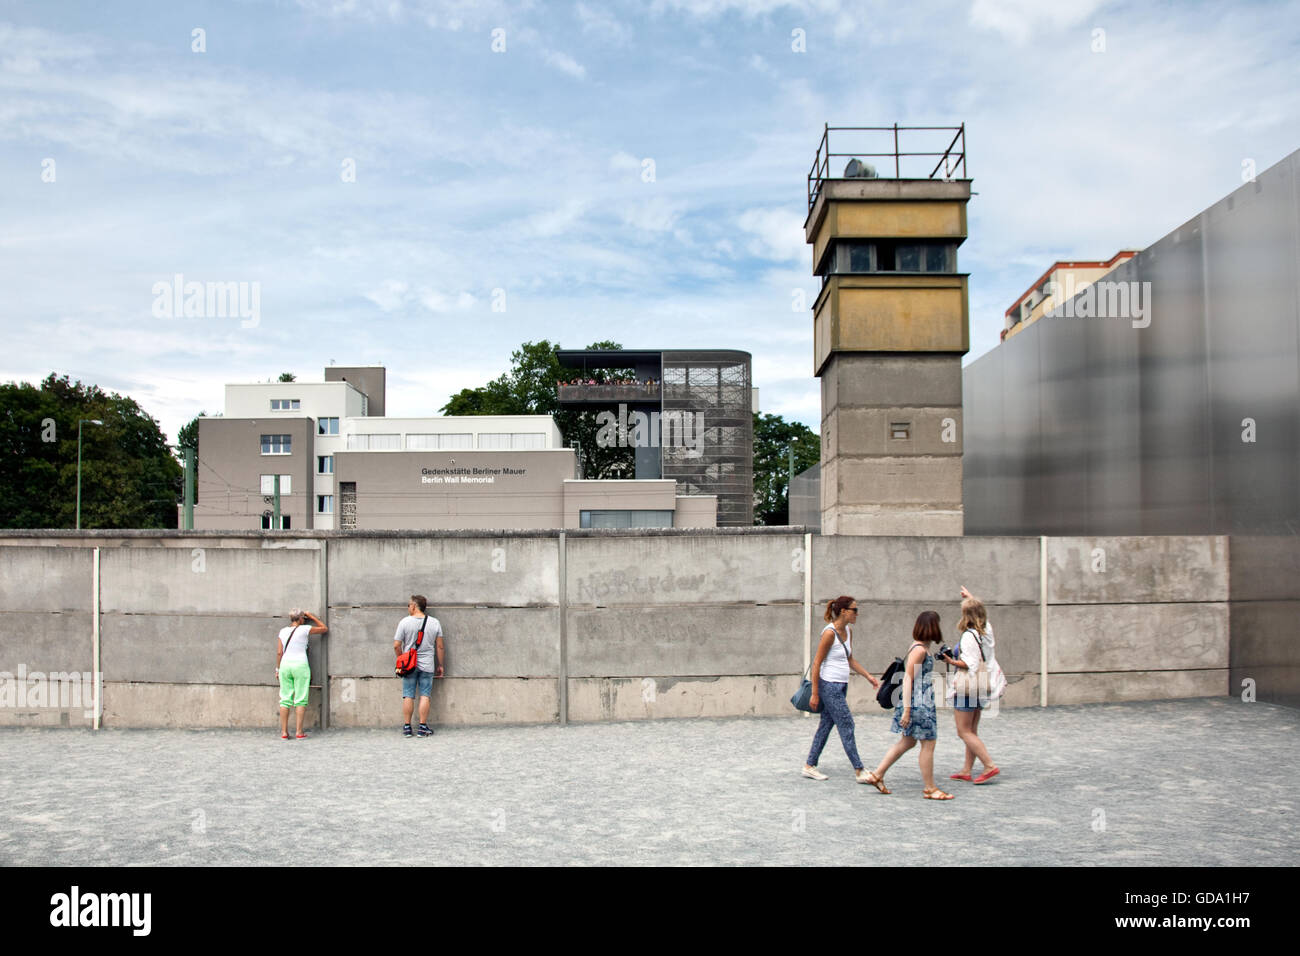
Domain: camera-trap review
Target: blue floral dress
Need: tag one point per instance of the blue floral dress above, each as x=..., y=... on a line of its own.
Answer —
x=924, y=723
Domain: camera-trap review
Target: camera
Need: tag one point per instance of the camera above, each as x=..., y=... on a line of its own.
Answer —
x=945, y=649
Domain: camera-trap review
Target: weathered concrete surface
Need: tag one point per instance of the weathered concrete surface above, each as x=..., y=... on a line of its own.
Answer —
x=45, y=641
x=512, y=570
x=1102, y=687
x=194, y=649
x=1136, y=637
x=866, y=379
x=1148, y=569
x=209, y=580
x=478, y=642
x=900, y=481
x=377, y=702
x=998, y=570
x=630, y=698
x=884, y=631
x=1189, y=783
x=198, y=706
x=866, y=431
x=918, y=521
x=685, y=570
x=45, y=579
x=697, y=641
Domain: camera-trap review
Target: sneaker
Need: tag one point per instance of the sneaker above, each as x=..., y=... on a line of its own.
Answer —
x=406, y=730
x=812, y=773
x=424, y=731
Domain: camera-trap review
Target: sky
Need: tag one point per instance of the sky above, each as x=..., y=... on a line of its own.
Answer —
x=427, y=184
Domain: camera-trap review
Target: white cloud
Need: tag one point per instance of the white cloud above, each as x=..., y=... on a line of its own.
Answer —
x=601, y=24
x=565, y=64
x=776, y=233
x=1019, y=20
x=390, y=295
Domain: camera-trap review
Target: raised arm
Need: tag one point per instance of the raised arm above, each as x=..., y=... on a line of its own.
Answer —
x=319, y=626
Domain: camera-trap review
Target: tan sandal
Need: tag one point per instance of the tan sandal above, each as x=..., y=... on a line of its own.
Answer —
x=934, y=793
x=877, y=782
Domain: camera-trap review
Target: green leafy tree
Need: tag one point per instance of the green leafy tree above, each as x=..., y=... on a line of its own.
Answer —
x=529, y=388
x=288, y=377
x=773, y=437
x=129, y=478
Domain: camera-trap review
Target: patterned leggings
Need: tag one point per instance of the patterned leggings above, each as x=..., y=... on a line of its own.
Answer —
x=835, y=711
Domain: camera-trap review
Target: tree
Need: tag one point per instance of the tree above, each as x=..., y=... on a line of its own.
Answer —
x=773, y=436
x=288, y=377
x=529, y=388
x=129, y=478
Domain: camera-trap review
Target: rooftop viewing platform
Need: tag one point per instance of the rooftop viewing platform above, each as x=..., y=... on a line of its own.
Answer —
x=938, y=152
x=589, y=390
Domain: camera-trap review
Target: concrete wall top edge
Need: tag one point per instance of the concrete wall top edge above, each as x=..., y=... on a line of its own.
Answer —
x=100, y=538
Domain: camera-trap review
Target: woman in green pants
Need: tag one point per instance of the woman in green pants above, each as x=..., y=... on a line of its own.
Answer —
x=291, y=666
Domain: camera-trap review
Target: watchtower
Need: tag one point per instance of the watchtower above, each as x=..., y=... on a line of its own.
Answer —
x=890, y=327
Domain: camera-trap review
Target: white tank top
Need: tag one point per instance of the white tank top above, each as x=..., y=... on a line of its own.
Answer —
x=294, y=640
x=835, y=665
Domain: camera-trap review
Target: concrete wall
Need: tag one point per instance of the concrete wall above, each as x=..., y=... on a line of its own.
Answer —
x=599, y=625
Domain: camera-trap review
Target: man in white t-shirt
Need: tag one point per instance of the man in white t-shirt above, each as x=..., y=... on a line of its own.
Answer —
x=428, y=661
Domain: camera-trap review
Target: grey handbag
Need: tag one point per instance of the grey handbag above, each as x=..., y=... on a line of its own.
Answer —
x=803, y=696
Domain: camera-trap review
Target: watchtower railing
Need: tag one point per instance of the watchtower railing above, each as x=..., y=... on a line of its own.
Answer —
x=951, y=160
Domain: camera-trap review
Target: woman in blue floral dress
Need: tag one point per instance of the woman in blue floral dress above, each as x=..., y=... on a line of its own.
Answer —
x=915, y=714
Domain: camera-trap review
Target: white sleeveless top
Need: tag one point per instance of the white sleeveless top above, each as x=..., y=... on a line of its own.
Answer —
x=294, y=641
x=835, y=665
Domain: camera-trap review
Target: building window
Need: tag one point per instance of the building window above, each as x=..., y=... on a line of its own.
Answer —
x=277, y=444
x=285, y=404
x=884, y=256
x=374, y=443
x=268, y=484
x=268, y=519
x=901, y=431
x=325, y=504
x=626, y=519
x=449, y=441
x=327, y=426
x=324, y=464
x=511, y=440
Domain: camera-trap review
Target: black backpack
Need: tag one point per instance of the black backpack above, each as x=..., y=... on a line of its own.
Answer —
x=886, y=694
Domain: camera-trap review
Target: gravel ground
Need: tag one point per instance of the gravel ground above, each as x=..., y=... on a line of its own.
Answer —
x=1195, y=782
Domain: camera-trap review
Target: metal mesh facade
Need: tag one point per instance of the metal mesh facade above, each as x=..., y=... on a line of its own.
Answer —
x=716, y=385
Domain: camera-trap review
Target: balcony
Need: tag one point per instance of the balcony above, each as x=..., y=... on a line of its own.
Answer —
x=607, y=393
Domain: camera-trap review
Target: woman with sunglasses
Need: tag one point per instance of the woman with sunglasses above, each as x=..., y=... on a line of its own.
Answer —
x=832, y=664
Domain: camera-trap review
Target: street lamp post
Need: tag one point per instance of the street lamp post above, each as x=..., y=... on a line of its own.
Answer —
x=93, y=421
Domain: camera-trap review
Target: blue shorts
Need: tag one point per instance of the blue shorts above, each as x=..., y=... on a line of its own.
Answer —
x=417, y=683
x=965, y=710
